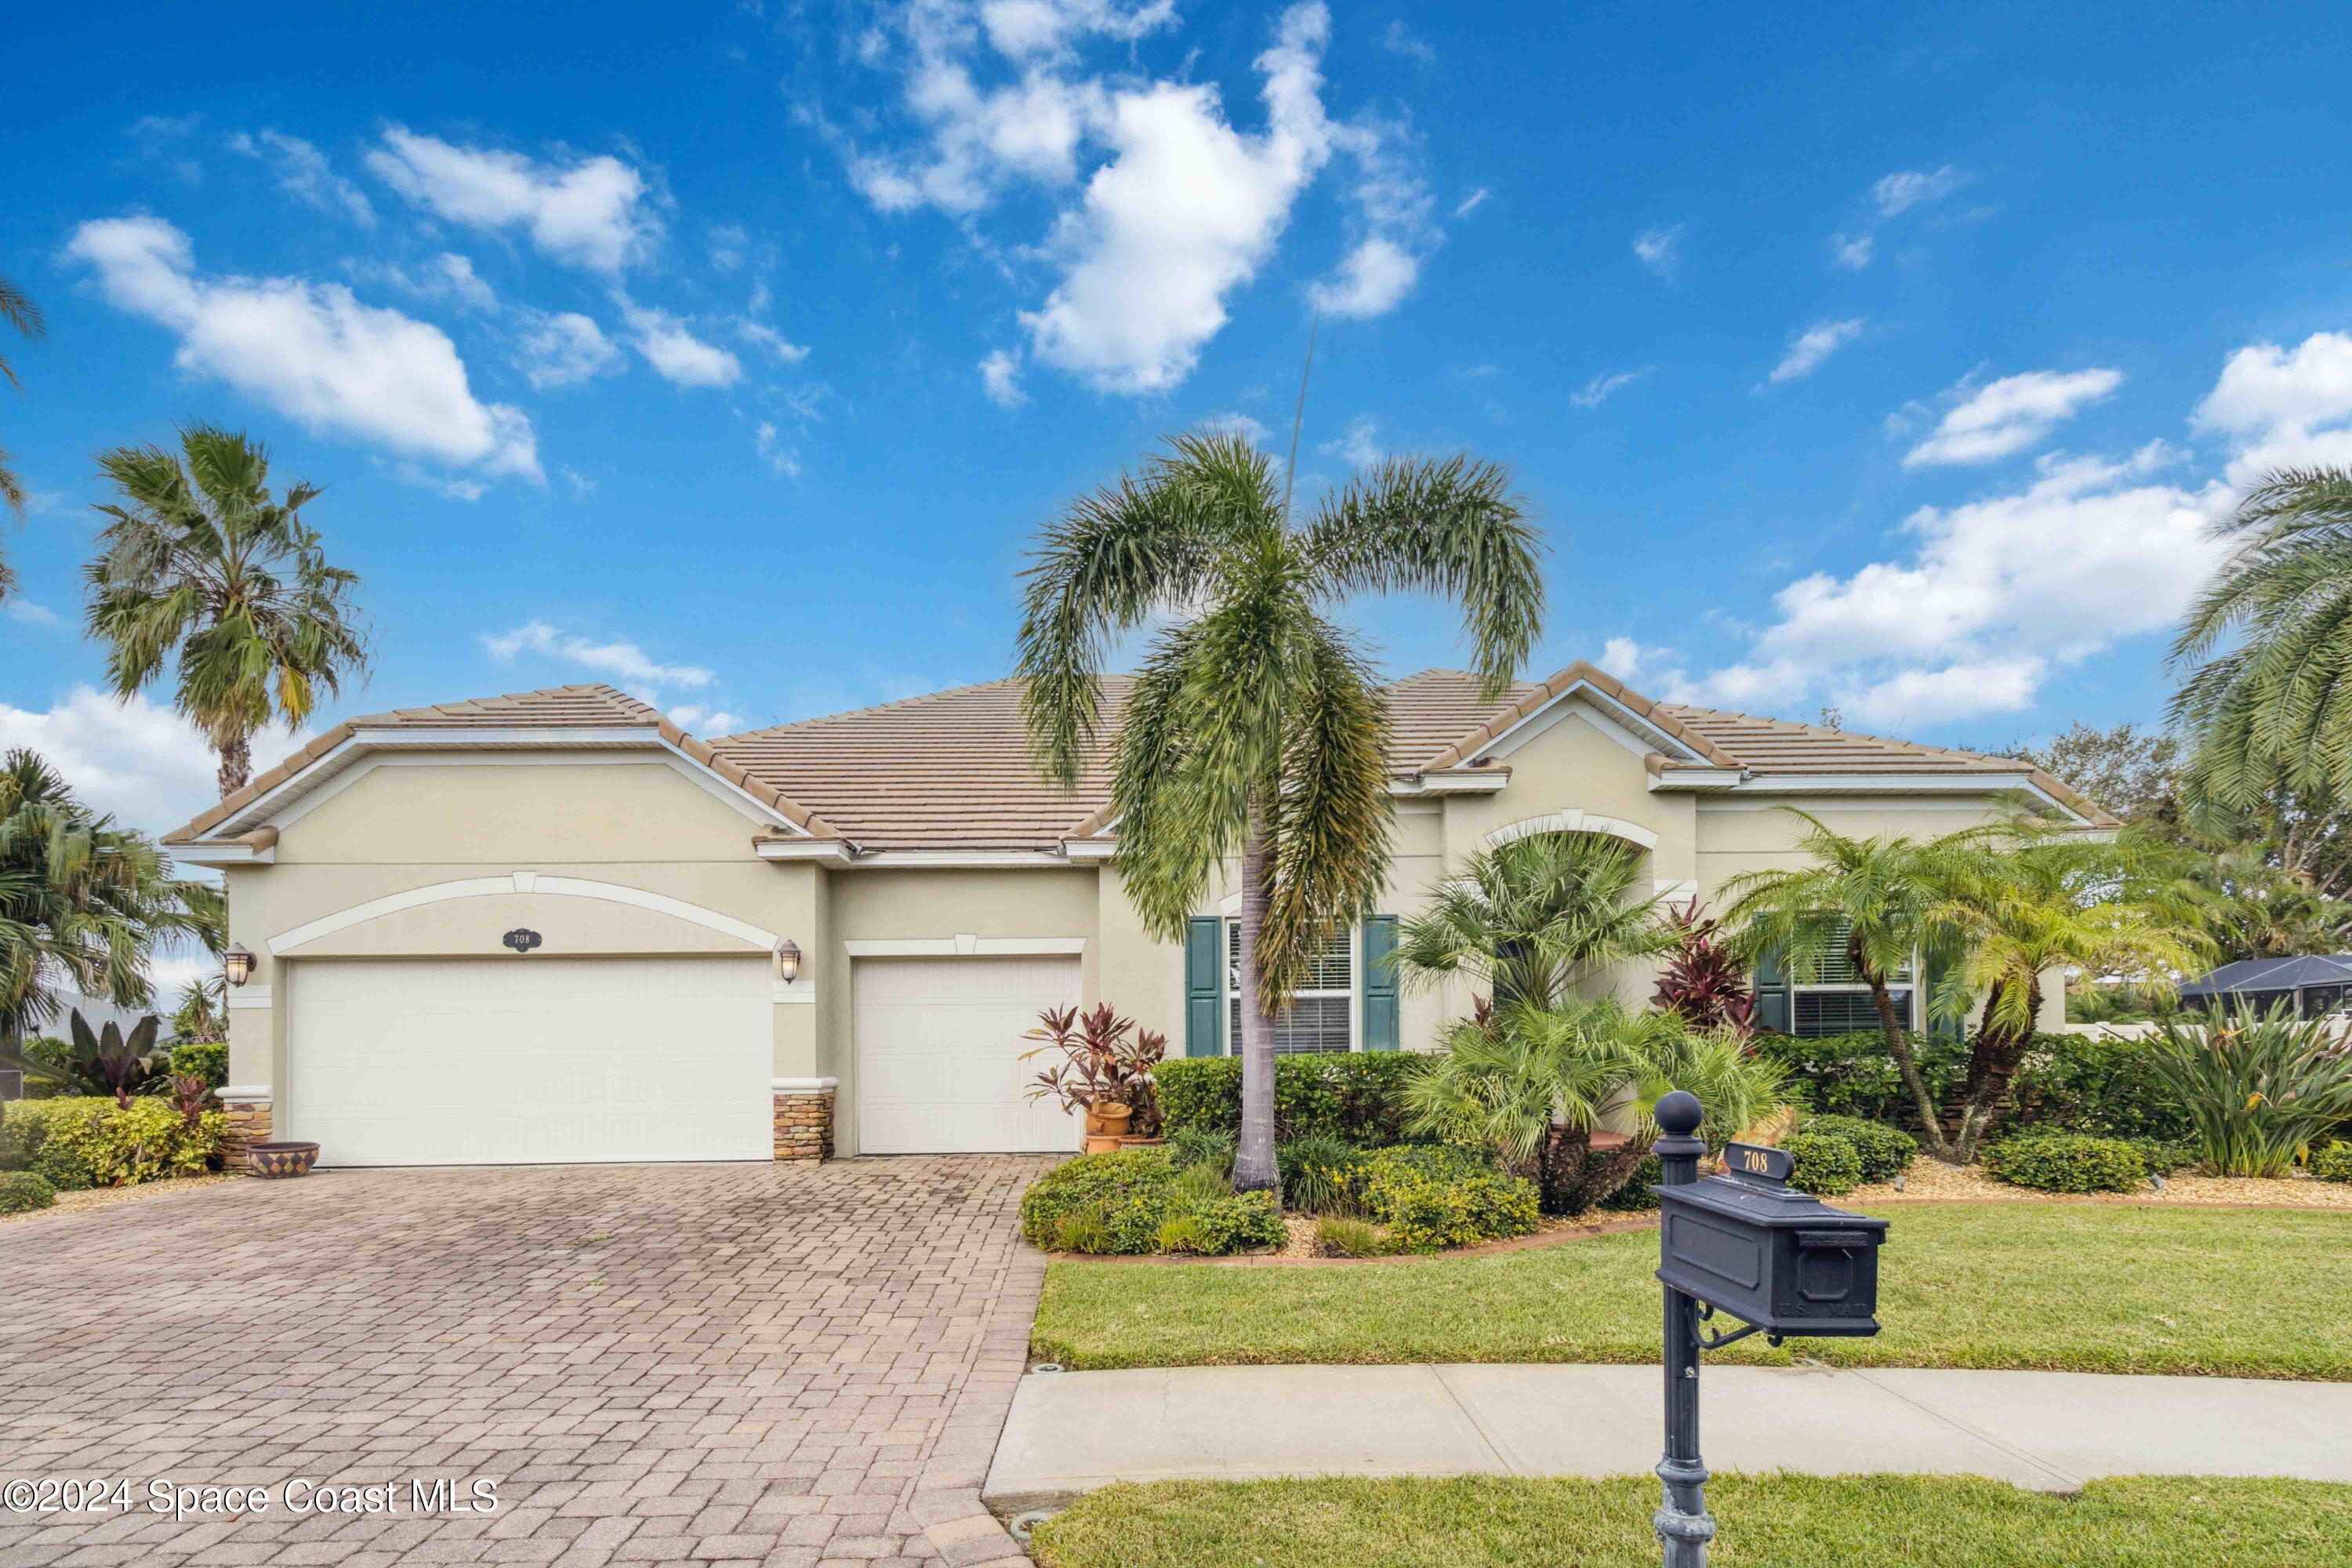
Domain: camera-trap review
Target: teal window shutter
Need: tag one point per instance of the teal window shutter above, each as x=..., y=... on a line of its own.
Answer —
x=1772, y=995
x=1205, y=986
x=1379, y=981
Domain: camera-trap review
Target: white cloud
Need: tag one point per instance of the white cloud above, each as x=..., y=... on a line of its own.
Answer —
x=1472, y=203
x=303, y=172
x=767, y=337
x=675, y=353
x=1855, y=250
x=1814, y=345
x=594, y=213
x=1358, y=443
x=2010, y=415
x=1240, y=425
x=566, y=348
x=1908, y=188
x=1373, y=279
x=625, y=660
x=701, y=720
x=1186, y=210
x=780, y=457
x=310, y=351
x=26, y=612
x=2283, y=409
x=1625, y=658
x=731, y=245
x=1400, y=40
x=1596, y=392
x=448, y=278
x=1963, y=691
x=1020, y=28
x=582, y=485
x=463, y=282
x=148, y=766
x=1000, y=377
x=1659, y=248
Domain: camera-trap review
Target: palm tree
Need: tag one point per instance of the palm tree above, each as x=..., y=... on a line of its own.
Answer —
x=2276, y=706
x=2054, y=903
x=82, y=902
x=202, y=567
x=1531, y=1081
x=1531, y=918
x=25, y=316
x=1877, y=900
x=1256, y=728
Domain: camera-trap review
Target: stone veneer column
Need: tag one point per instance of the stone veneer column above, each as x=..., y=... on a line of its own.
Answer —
x=803, y=1123
x=247, y=1111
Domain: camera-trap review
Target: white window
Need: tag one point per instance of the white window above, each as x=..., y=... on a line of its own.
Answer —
x=1322, y=1013
x=1836, y=1002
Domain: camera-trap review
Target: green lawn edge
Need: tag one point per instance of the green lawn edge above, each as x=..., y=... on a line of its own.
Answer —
x=1764, y=1521
x=2050, y=1286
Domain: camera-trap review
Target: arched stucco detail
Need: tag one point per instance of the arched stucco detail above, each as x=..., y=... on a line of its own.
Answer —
x=523, y=882
x=1574, y=822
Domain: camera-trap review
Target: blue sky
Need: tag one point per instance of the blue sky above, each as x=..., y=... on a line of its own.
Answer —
x=1888, y=358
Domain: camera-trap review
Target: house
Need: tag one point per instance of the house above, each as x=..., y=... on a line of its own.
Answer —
x=2315, y=986
x=551, y=927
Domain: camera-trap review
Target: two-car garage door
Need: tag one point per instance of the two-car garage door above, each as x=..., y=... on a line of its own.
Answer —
x=533, y=1061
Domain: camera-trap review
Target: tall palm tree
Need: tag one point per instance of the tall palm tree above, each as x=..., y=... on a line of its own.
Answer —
x=2276, y=706
x=2054, y=903
x=202, y=566
x=1529, y=919
x=21, y=313
x=83, y=903
x=1877, y=900
x=1255, y=727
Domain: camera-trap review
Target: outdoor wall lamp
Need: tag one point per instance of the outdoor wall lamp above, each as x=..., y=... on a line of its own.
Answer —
x=788, y=960
x=238, y=964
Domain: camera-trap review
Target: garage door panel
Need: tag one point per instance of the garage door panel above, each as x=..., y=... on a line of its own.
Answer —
x=525, y=1061
x=939, y=1044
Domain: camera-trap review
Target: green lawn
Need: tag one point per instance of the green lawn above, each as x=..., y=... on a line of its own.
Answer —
x=1774, y=1521
x=2081, y=1287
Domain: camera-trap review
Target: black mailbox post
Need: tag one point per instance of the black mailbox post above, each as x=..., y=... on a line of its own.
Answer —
x=1749, y=1246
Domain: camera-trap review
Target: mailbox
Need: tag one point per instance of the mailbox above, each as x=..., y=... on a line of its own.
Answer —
x=1748, y=1244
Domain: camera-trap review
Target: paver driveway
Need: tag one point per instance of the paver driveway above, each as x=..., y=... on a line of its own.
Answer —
x=779, y=1364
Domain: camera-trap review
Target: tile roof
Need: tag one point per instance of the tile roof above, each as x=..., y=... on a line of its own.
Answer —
x=952, y=771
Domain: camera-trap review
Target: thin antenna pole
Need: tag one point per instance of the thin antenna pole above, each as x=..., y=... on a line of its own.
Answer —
x=1290, y=473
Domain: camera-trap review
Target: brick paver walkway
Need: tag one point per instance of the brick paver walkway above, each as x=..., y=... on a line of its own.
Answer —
x=788, y=1365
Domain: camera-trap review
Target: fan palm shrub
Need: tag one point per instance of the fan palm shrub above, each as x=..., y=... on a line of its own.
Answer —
x=1531, y=919
x=203, y=569
x=2258, y=1090
x=1256, y=730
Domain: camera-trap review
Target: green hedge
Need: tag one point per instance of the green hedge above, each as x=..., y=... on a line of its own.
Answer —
x=92, y=1143
x=1137, y=1201
x=1358, y=1096
x=2333, y=1164
x=1824, y=1163
x=1856, y=1075
x=2085, y=1083
x=1432, y=1196
x=21, y=1190
x=1883, y=1151
x=2067, y=1162
x=207, y=1059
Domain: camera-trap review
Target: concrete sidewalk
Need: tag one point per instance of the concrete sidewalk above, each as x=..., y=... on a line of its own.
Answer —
x=1072, y=1432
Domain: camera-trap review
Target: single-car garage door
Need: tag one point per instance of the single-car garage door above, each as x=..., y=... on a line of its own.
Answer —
x=536, y=1060
x=939, y=1054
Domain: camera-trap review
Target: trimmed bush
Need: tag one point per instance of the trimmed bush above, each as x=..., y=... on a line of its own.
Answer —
x=1194, y=1146
x=21, y=1190
x=93, y=1142
x=206, y=1059
x=1883, y=1151
x=1825, y=1163
x=2333, y=1164
x=2106, y=1087
x=1313, y=1174
x=2162, y=1159
x=1432, y=1196
x=1856, y=1075
x=1136, y=1200
x=2067, y=1162
x=1357, y=1095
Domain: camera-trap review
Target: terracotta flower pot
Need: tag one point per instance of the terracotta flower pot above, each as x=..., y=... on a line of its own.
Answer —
x=276, y=1161
x=1107, y=1121
x=1102, y=1143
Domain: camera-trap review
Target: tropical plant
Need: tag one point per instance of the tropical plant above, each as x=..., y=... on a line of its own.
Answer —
x=203, y=1013
x=2260, y=1091
x=1532, y=1083
x=203, y=569
x=1256, y=730
x=107, y=1061
x=1313, y=1174
x=191, y=1096
x=1703, y=982
x=1104, y=1062
x=1877, y=903
x=2052, y=903
x=2275, y=705
x=1529, y=919
x=83, y=903
x=25, y=316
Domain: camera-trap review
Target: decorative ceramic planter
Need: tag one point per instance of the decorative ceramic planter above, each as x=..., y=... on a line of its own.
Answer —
x=276, y=1161
x=1102, y=1143
x=1107, y=1121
